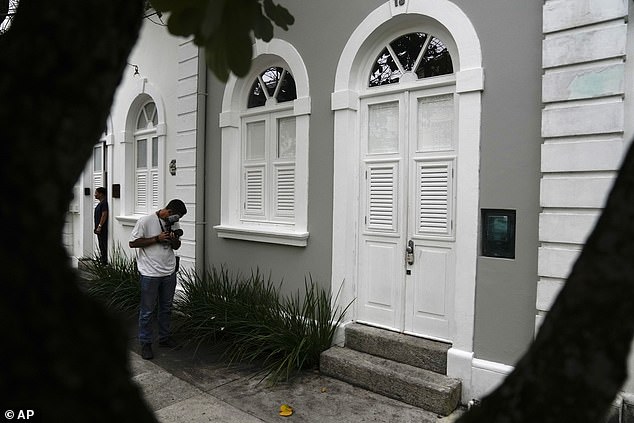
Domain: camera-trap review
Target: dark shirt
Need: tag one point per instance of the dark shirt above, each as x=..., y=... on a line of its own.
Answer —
x=101, y=207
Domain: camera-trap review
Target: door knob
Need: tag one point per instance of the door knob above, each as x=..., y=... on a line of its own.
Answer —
x=409, y=252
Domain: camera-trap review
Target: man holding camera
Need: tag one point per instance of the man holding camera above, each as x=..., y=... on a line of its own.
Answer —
x=157, y=236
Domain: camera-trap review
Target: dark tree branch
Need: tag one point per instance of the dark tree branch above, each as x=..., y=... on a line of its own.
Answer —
x=61, y=62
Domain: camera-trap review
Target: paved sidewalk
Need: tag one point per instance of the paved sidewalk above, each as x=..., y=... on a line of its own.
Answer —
x=196, y=386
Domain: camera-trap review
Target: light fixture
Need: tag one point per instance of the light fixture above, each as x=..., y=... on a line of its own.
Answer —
x=136, y=68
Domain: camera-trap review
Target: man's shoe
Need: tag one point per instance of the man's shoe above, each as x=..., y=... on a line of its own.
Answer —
x=169, y=343
x=146, y=351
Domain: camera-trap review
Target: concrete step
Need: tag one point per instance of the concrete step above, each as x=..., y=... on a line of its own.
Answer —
x=419, y=387
x=417, y=352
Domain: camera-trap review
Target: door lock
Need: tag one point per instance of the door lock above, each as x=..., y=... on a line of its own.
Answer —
x=409, y=252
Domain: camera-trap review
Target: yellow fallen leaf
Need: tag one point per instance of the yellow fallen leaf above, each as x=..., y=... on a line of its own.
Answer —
x=286, y=410
x=323, y=390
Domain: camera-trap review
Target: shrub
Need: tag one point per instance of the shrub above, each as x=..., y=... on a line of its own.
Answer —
x=115, y=284
x=255, y=322
x=246, y=315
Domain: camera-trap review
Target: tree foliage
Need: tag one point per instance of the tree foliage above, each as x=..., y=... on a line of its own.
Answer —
x=224, y=28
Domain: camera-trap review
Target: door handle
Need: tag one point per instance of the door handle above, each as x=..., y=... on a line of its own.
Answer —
x=409, y=252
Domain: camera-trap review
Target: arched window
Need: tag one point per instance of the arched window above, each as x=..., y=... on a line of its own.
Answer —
x=146, y=160
x=411, y=56
x=265, y=122
x=403, y=110
x=268, y=153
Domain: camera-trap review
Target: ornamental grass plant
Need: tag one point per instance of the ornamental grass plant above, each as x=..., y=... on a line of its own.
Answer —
x=116, y=283
x=245, y=317
x=255, y=323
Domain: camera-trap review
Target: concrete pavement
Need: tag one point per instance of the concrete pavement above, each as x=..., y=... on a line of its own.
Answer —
x=196, y=386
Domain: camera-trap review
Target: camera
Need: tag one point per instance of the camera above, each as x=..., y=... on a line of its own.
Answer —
x=168, y=227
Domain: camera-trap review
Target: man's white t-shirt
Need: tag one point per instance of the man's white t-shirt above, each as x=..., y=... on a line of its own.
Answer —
x=157, y=259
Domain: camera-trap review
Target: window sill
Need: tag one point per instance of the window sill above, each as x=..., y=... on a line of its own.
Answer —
x=128, y=220
x=271, y=236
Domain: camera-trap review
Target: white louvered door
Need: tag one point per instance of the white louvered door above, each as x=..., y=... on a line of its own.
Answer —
x=408, y=173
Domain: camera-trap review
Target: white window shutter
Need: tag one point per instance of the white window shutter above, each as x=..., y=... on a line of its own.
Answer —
x=382, y=196
x=254, y=191
x=97, y=181
x=154, y=175
x=434, y=197
x=141, y=194
x=285, y=191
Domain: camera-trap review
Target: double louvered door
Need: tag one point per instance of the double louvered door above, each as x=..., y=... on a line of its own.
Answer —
x=407, y=232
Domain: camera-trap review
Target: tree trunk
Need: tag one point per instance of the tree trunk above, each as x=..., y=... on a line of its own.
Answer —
x=60, y=64
x=578, y=361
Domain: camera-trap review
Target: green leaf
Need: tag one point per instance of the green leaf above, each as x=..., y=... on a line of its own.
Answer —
x=213, y=18
x=278, y=14
x=185, y=22
x=240, y=54
x=216, y=59
x=262, y=26
x=225, y=28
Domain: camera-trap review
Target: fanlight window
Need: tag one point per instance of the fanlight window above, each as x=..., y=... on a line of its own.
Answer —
x=148, y=117
x=274, y=82
x=416, y=55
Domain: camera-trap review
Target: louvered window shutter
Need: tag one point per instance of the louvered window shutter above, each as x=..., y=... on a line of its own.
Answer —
x=154, y=175
x=141, y=183
x=97, y=181
x=254, y=191
x=434, y=197
x=285, y=191
x=97, y=169
x=382, y=196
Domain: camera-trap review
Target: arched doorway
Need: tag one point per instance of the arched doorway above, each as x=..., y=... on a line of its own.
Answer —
x=362, y=236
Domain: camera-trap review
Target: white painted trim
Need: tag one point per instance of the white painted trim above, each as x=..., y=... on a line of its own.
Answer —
x=459, y=365
x=143, y=92
x=479, y=377
x=469, y=80
x=278, y=236
x=448, y=19
x=443, y=11
x=233, y=105
x=127, y=220
x=486, y=376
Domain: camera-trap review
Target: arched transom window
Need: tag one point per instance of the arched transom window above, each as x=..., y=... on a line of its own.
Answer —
x=410, y=57
x=274, y=83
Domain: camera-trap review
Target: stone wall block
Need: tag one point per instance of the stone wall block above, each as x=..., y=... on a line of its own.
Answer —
x=565, y=14
x=587, y=45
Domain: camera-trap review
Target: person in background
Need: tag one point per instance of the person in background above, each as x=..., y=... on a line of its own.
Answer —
x=101, y=223
x=157, y=236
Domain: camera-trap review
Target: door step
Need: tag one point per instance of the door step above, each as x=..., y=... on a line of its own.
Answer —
x=412, y=350
x=402, y=367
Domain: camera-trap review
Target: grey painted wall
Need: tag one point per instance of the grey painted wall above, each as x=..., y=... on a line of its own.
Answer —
x=510, y=36
x=319, y=34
